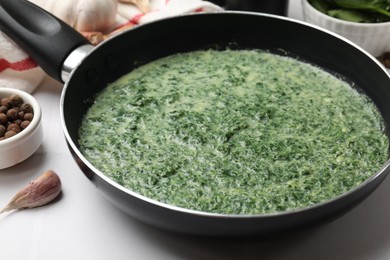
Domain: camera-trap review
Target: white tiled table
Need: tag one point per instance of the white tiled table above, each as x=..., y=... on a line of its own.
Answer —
x=83, y=225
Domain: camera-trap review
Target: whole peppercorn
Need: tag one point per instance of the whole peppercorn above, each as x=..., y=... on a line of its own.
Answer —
x=9, y=134
x=21, y=115
x=3, y=109
x=14, y=127
x=26, y=108
x=15, y=116
x=28, y=116
x=12, y=114
x=6, y=102
x=24, y=124
x=17, y=109
x=2, y=130
x=18, y=121
x=16, y=100
x=3, y=119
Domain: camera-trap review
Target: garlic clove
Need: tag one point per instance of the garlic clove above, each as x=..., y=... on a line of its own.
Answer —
x=37, y=193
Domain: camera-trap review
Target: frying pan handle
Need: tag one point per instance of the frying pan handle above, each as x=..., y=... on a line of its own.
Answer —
x=44, y=37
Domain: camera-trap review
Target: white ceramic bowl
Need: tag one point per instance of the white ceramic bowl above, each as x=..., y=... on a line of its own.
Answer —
x=19, y=147
x=373, y=37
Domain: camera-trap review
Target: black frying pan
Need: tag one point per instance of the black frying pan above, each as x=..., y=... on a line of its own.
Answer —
x=59, y=49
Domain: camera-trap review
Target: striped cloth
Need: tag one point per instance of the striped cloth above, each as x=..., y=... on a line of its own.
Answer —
x=18, y=70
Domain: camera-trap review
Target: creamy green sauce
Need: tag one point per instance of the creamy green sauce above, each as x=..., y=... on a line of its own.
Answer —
x=234, y=132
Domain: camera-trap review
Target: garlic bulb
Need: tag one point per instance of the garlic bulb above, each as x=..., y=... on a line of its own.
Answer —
x=83, y=15
x=143, y=5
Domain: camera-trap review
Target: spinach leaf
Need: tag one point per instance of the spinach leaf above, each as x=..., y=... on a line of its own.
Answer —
x=320, y=5
x=379, y=6
x=349, y=15
x=364, y=11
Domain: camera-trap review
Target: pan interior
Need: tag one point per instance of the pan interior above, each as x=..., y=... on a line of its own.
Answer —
x=234, y=132
x=220, y=31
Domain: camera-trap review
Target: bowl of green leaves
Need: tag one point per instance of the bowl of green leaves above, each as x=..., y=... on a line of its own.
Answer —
x=365, y=22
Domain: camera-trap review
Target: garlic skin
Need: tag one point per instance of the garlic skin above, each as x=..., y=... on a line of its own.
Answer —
x=37, y=193
x=83, y=15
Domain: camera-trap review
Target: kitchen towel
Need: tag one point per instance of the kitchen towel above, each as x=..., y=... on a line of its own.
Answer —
x=18, y=70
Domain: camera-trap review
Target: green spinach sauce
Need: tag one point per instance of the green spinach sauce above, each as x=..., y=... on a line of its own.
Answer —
x=234, y=132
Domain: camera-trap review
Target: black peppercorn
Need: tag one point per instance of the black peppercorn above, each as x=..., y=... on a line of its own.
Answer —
x=27, y=108
x=2, y=130
x=15, y=116
x=12, y=114
x=6, y=102
x=24, y=124
x=16, y=100
x=3, y=109
x=14, y=127
x=18, y=121
x=28, y=116
x=8, y=134
x=3, y=119
x=21, y=115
